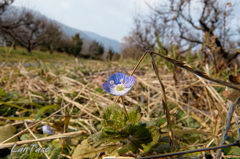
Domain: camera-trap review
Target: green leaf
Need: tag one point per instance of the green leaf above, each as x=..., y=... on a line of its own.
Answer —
x=98, y=138
x=18, y=118
x=155, y=137
x=15, y=106
x=141, y=133
x=169, y=65
x=234, y=151
x=180, y=132
x=99, y=90
x=159, y=149
x=43, y=109
x=86, y=150
x=135, y=114
x=128, y=147
x=108, y=131
x=114, y=116
x=27, y=136
x=161, y=121
x=2, y=92
x=107, y=111
x=6, y=132
x=166, y=139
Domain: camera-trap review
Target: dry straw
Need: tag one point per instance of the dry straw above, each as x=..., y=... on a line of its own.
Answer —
x=192, y=95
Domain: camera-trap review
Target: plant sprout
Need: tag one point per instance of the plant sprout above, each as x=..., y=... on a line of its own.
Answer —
x=119, y=84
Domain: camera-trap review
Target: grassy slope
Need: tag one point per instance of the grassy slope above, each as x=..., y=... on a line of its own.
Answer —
x=10, y=55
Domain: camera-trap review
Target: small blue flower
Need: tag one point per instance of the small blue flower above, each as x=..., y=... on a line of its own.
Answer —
x=47, y=130
x=118, y=84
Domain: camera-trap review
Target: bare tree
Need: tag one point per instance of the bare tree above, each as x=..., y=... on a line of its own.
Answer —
x=52, y=36
x=184, y=23
x=130, y=48
x=4, y=5
x=211, y=20
x=29, y=32
x=9, y=17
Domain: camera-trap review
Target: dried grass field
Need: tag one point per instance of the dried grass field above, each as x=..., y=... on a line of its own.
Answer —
x=189, y=110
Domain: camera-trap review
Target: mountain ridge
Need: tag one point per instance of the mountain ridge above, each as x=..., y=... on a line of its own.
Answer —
x=88, y=35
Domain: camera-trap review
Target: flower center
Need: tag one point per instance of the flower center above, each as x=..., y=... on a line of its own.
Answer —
x=119, y=87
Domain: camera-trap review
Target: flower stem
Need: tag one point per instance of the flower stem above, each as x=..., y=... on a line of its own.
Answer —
x=124, y=107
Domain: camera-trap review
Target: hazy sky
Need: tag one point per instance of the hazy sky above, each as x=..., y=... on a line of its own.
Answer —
x=109, y=18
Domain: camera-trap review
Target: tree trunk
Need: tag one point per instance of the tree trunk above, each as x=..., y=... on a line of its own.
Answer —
x=29, y=49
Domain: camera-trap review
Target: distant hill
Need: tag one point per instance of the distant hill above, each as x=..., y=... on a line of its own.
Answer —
x=106, y=42
x=90, y=36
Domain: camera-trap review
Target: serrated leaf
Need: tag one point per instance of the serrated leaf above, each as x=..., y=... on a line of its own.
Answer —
x=142, y=134
x=128, y=147
x=107, y=111
x=155, y=137
x=114, y=116
x=135, y=114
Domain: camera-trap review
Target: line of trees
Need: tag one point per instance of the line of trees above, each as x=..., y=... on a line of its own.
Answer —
x=29, y=29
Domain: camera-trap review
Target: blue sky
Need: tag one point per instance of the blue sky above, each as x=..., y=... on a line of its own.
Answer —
x=109, y=18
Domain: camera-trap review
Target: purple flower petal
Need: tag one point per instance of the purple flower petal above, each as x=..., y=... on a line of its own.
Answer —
x=107, y=87
x=130, y=82
x=117, y=88
x=47, y=130
x=117, y=77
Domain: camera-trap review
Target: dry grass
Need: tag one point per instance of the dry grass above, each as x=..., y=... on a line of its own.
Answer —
x=67, y=82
